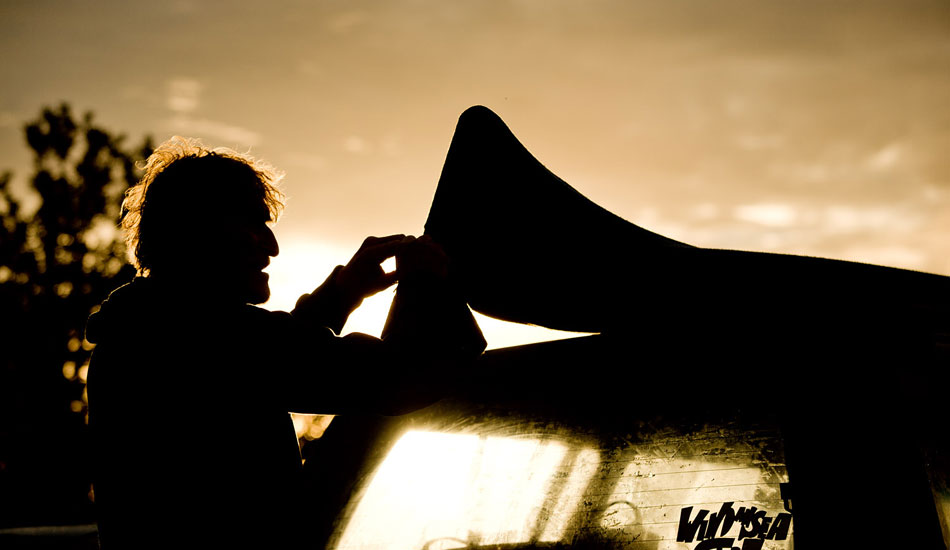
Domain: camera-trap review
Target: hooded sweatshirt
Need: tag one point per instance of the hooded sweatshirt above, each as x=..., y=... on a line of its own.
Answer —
x=189, y=398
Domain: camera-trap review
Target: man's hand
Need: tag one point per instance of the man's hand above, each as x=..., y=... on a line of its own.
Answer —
x=422, y=258
x=363, y=275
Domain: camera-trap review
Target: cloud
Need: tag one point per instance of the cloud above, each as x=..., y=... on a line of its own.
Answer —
x=808, y=172
x=887, y=157
x=767, y=214
x=847, y=161
x=356, y=144
x=850, y=219
x=831, y=219
x=204, y=128
x=705, y=211
x=183, y=98
x=183, y=94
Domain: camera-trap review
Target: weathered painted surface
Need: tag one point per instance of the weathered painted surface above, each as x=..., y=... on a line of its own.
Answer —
x=521, y=484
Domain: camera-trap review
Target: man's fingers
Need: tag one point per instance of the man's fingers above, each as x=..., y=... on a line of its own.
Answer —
x=373, y=241
x=388, y=279
x=380, y=250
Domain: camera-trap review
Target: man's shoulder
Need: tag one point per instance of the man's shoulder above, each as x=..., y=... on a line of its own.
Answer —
x=277, y=323
x=259, y=314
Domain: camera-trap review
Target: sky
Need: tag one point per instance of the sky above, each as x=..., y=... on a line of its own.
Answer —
x=811, y=127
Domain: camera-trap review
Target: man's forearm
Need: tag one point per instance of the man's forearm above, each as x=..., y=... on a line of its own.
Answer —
x=326, y=306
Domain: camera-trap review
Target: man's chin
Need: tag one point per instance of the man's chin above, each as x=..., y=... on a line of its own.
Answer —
x=258, y=299
x=258, y=291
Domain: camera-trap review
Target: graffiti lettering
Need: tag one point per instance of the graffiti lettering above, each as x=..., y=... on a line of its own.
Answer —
x=755, y=526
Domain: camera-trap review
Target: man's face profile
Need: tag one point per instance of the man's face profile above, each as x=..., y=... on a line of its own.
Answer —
x=229, y=243
x=241, y=248
x=199, y=219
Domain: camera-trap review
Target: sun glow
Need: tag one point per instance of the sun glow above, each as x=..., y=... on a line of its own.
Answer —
x=303, y=265
x=440, y=491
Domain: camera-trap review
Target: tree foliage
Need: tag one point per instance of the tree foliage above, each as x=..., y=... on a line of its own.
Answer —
x=58, y=261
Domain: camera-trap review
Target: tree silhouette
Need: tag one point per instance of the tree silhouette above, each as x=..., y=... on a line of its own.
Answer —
x=57, y=264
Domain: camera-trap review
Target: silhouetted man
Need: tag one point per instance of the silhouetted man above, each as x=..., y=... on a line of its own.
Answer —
x=190, y=386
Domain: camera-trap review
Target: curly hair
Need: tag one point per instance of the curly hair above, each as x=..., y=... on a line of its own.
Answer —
x=185, y=181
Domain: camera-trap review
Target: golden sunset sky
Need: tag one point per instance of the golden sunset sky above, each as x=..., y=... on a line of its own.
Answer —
x=815, y=127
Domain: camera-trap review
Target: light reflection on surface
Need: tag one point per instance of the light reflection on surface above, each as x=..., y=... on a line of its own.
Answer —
x=511, y=481
x=448, y=490
x=585, y=465
x=438, y=491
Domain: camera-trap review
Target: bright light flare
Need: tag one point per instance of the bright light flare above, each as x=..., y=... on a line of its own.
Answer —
x=419, y=493
x=303, y=265
x=452, y=490
x=511, y=484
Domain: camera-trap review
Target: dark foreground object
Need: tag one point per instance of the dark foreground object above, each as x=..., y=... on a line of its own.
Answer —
x=845, y=363
x=65, y=537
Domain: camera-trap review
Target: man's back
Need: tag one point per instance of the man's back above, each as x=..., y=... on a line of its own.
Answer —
x=189, y=425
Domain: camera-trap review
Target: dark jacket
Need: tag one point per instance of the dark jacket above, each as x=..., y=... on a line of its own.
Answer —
x=188, y=409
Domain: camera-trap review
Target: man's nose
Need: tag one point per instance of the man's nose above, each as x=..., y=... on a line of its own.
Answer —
x=268, y=241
